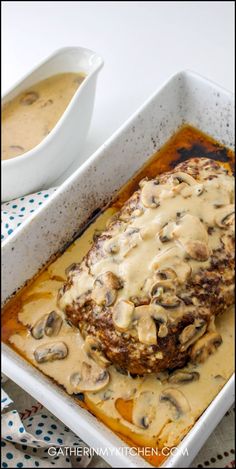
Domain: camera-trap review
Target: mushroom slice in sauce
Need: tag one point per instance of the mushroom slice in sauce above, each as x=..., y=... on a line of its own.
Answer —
x=177, y=399
x=166, y=274
x=225, y=216
x=150, y=193
x=147, y=331
x=89, y=378
x=122, y=314
x=50, y=352
x=144, y=409
x=29, y=98
x=167, y=300
x=146, y=315
x=93, y=349
x=192, y=235
x=192, y=333
x=37, y=330
x=173, y=258
x=53, y=324
x=197, y=250
x=180, y=176
x=105, y=289
x=205, y=347
x=183, y=377
x=166, y=233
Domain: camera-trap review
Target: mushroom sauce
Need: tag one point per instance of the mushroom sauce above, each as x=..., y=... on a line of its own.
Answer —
x=29, y=117
x=154, y=410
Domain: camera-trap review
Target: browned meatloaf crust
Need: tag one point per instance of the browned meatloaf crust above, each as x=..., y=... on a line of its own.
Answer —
x=152, y=318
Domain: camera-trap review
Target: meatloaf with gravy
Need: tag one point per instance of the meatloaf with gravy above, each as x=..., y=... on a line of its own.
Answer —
x=146, y=294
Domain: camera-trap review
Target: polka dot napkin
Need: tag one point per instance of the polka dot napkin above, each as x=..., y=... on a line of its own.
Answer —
x=15, y=212
x=38, y=440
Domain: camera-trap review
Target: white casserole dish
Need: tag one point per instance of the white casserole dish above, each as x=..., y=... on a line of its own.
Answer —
x=41, y=166
x=186, y=97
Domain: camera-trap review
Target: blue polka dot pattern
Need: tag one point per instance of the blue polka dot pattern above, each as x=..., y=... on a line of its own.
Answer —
x=38, y=432
x=45, y=433
x=13, y=212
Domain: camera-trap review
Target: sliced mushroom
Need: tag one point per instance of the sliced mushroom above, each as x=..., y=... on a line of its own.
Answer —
x=150, y=193
x=160, y=316
x=180, y=176
x=147, y=331
x=177, y=399
x=151, y=312
x=122, y=314
x=191, y=333
x=162, y=286
x=105, y=289
x=205, y=347
x=29, y=98
x=225, y=216
x=166, y=274
x=89, y=378
x=37, y=330
x=166, y=233
x=173, y=258
x=183, y=377
x=50, y=352
x=144, y=409
x=53, y=324
x=167, y=299
x=192, y=235
x=197, y=250
x=93, y=349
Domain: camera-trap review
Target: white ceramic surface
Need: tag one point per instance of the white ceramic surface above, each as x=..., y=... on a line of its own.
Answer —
x=39, y=167
x=186, y=97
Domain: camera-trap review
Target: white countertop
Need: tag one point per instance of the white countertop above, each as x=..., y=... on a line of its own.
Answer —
x=142, y=44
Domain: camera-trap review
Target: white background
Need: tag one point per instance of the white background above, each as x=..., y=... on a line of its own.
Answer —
x=142, y=44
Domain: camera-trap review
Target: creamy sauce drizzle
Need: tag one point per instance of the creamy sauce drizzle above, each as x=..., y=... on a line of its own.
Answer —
x=29, y=117
x=159, y=238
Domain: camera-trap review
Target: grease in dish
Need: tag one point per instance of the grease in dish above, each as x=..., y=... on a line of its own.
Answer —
x=154, y=409
x=29, y=117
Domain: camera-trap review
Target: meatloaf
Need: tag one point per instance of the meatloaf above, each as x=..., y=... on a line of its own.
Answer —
x=146, y=294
